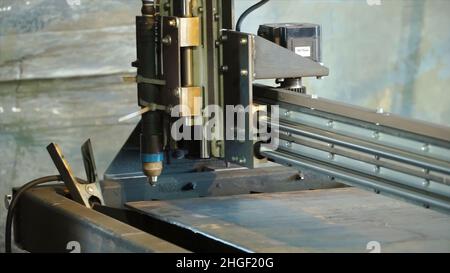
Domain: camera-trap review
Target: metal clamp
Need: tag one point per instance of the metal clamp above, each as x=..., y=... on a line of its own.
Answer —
x=86, y=193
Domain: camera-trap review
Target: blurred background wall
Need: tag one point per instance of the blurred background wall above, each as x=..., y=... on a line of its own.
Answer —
x=61, y=63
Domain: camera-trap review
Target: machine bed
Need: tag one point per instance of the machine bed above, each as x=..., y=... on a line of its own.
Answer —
x=330, y=220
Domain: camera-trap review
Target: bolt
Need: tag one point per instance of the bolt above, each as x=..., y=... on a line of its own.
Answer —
x=244, y=41
x=425, y=148
x=166, y=6
x=287, y=114
x=217, y=43
x=224, y=68
x=299, y=176
x=224, y=38
x=426, y=183
x=89, y=189
x=167, y=40
x=177, y=92
x=244, y=72
x=216, y=17
x=242, y=160
x=330, y=124
x=173, y=23
x=200, y=9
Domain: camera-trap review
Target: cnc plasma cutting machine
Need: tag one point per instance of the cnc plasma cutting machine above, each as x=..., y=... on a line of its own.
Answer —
x=221, y=162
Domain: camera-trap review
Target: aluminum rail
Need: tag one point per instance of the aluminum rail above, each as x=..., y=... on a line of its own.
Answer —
x=370, y=149
x=364, y=146
x=352, y=178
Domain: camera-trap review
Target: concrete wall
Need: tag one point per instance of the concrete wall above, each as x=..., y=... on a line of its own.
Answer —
x=60, y=81
x=61, y=61
x=393, y=55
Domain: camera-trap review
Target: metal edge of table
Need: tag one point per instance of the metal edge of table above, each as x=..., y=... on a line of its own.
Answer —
x=47, y=221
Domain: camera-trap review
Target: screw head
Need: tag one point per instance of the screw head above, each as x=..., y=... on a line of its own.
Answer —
x=244, y=41
x=300, y=176
x=166, y=6
x=173, y=23
x=242, y=160
x=89, y=189
x=167, y=40
x=244, y=72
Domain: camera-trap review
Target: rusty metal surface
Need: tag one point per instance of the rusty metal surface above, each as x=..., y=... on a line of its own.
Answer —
x=332, y=220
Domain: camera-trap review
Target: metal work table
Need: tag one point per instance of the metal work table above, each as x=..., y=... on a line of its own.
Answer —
x=331, y=220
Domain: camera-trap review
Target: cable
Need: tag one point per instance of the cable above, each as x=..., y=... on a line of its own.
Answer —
x=12, y=206
x=247, y=12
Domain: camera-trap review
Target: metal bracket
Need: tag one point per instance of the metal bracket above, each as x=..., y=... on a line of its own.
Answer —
x=237, y=72
x=81, y=191
x=177, y=33
x=189, y=31
x=171, y=60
